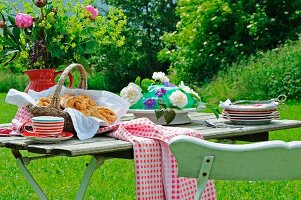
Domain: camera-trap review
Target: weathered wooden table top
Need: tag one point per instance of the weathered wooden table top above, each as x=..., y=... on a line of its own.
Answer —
x=100, y=144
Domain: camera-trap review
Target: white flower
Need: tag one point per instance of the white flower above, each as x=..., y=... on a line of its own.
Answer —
x=132, y=93
x=187, y=89
x=160, y=76
x=178, y=99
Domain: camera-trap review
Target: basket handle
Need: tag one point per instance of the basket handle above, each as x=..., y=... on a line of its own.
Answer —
x=55, y=101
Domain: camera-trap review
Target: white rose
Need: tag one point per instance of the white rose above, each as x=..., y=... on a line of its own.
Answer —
x=178, y=99
x=160, y=76
x=187, y=89
x=132, y=93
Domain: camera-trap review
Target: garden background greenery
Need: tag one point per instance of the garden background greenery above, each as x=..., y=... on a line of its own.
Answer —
x=237, y=49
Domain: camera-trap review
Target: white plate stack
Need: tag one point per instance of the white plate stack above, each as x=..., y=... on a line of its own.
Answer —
x=250, y=114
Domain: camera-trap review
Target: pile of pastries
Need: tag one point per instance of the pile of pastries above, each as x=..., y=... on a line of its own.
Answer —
x=84, y=104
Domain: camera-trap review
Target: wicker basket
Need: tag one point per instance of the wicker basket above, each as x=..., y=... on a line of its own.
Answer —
x=54, y=108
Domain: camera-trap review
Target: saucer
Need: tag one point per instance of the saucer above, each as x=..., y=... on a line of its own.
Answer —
x=41, y=138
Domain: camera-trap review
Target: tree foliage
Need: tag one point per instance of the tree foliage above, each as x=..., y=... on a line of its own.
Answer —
x=212, y=34
x=57, y=33
x=148, y=20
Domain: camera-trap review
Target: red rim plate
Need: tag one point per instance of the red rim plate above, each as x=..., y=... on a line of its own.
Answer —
x=250, y=112
x=37, y=135
x=246, y=119
x=276, y=114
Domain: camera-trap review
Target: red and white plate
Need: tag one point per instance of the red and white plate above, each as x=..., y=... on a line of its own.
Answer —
x=247, y=118
x=249, y=107
x=42, y=138
x=274, y=115
x=250, y=121
x=250, y=117
x=250, y=112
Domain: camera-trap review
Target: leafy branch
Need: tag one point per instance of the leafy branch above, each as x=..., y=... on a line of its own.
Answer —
x=169, y=114
x=201, y=106
x=144, y=83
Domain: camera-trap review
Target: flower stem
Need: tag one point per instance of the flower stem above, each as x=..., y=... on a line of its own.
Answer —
x=43, y=35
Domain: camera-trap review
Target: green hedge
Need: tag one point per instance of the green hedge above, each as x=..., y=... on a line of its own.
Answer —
x=212, y=34
x=263, y=76
x=12, y=80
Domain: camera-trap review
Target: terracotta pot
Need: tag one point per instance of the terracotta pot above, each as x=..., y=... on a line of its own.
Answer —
x=42, y=79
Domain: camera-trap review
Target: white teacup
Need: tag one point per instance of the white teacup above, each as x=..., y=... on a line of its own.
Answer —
x=46, y=125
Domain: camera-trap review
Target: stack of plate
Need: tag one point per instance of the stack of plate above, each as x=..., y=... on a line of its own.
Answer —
x=251, y=113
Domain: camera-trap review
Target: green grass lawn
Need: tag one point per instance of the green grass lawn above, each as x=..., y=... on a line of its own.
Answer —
x=60, y=177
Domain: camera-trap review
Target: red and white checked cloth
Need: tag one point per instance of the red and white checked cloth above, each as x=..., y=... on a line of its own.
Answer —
x=155, y=166
x=22, y=116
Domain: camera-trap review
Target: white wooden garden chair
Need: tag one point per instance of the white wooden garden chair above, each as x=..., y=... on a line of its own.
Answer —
x=271, y=160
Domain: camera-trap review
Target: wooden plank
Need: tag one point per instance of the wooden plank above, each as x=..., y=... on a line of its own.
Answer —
x=107, y=145
x=126, y=154
x=77, y=147
x=20, y=143
x=94, y=148
x=5, y=140
x=275, y=125
x=5, y=125
x=127, y=117
x=198, y=115
x=54, y=148
x=80, y=147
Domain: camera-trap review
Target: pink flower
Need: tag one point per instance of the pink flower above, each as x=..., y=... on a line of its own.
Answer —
x=93, y=11
x=23, y=20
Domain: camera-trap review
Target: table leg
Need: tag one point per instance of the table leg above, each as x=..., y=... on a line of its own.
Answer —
x=95, y=162
x=21, y=164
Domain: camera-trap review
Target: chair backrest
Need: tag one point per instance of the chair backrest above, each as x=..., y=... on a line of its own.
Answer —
x=271, y=160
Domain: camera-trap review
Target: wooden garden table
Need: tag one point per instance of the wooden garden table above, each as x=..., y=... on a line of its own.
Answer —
x=101, y=147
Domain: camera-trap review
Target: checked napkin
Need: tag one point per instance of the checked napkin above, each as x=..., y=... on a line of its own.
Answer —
x=22, y=116
x=155, y=166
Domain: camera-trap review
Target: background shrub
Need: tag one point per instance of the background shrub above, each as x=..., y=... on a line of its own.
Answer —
x=147, y=21
x=263, y=76
x=212, y=34
x=12, y=80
